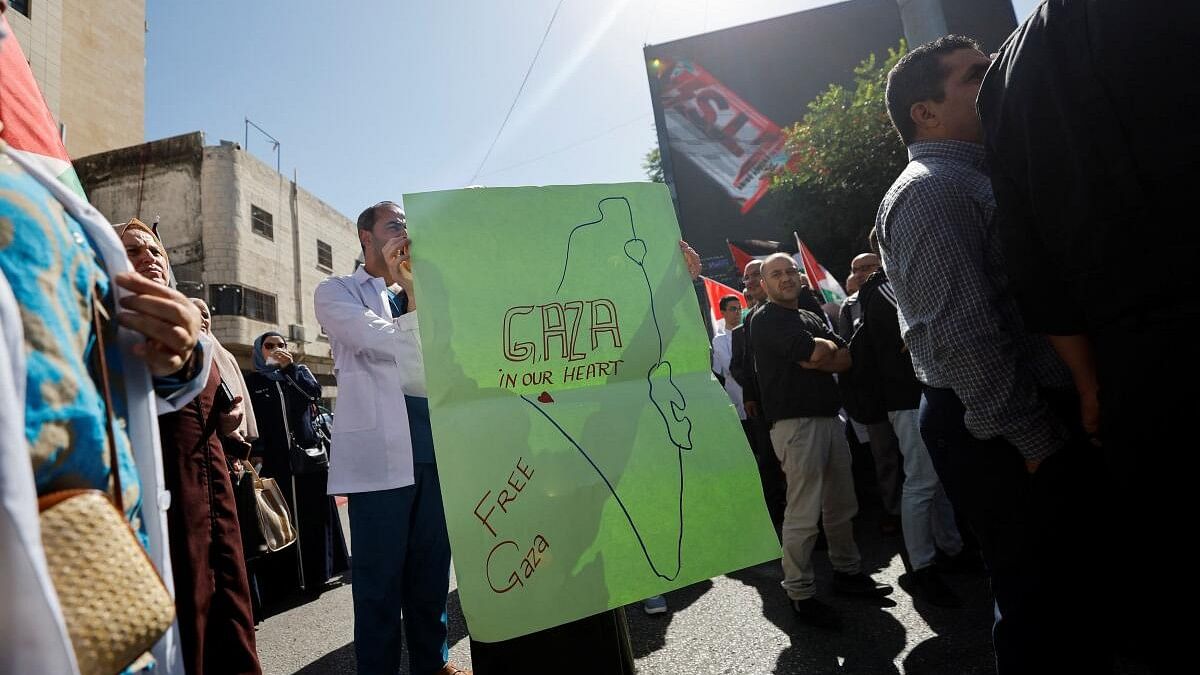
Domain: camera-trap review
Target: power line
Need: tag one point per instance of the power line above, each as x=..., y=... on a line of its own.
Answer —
x=576, y=144
x=519, y=90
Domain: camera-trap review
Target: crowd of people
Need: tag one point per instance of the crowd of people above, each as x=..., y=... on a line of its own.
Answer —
x=994, y=354
x=986, y=346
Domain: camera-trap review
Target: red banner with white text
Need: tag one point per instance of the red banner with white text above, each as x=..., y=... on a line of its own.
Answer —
x=727, y=138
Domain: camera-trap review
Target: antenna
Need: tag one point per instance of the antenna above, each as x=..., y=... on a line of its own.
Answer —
x=274, y=142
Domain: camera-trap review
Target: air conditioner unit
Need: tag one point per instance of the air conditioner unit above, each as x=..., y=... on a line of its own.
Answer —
x=296, y=333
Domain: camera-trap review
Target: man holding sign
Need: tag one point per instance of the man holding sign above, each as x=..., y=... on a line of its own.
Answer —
x=382, y=455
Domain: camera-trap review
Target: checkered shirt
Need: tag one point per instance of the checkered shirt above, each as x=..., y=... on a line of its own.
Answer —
x=963, y=329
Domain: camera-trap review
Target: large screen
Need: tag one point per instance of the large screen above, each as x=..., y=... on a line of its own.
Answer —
x=722, y=99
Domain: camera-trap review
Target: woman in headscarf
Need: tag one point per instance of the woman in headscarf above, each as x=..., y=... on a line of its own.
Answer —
x=231, y=374
x=282, y=393
x=212, y=594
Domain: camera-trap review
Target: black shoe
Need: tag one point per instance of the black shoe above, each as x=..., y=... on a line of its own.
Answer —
x=816, y=613
x=968, y=561
x=889, y=525
x=928, y=586
x=859, y=584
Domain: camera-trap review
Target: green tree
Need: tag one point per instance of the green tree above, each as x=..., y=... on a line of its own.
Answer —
x=652, y=165
x=846, y=156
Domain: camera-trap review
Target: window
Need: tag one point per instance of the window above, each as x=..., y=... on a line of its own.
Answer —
x=262, y=222
x=324, y=256
x=225, y=299
x=258, y=305
x=235, y=300
x=21, y=6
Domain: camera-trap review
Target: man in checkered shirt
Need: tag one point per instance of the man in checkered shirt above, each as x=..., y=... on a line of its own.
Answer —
x=998, y=414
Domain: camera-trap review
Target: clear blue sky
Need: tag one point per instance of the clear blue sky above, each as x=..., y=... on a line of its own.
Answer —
x=375, y=98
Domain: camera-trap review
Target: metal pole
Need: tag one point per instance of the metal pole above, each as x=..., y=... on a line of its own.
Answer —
x=924, y=20
x=276, y=145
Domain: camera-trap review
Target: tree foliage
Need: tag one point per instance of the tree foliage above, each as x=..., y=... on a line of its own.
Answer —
x=846, y=156
x=652, y=165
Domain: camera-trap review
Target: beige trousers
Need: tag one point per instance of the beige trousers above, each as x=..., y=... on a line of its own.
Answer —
x=816, y=461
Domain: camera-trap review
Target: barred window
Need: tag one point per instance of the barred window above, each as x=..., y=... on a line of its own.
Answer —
x=225, y=299
x=324, y=256
x=262, y=222
x=258, y=305
x=235, y=300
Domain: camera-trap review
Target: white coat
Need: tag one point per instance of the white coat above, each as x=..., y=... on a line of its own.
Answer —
x=377, y=361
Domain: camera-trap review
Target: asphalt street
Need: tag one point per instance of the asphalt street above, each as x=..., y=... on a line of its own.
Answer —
x=738, y=623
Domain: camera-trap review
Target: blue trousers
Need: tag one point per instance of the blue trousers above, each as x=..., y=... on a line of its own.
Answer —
x=1038, y=536
x=400, y=565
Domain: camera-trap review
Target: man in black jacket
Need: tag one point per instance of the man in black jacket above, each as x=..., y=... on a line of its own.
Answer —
x=925, y=511
x=885, y=448
x=741, y=367
x=795, y=356
x=1089, y=124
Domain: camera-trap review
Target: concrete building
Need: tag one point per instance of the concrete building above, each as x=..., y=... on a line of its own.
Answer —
x=89, y=59
x=246, y=239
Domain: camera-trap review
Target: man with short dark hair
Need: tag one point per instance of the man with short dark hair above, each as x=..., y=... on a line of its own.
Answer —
x=741, y=369
x=885, y=450
x=996, y=399
x=382, y=455
x=722, y=350
x=741, y=365
x=925, y=512
x=796, y=355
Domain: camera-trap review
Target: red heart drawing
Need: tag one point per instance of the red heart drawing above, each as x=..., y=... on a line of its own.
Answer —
x=546, y=397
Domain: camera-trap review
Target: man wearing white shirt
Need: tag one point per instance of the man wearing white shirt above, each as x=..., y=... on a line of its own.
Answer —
x=722, y=352
x=382, y=454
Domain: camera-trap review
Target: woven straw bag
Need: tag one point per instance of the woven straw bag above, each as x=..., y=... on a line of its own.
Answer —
x=113, y=600
x=114, y=603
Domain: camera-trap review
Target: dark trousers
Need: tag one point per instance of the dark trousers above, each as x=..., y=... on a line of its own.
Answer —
x=885, y=450
x=1038, y=536
x=774, y=484
x=595, y=645
x=401, y=565
x=1148, y=408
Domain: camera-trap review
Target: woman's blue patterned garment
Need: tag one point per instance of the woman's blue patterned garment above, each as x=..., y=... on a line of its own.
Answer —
x=54, y=274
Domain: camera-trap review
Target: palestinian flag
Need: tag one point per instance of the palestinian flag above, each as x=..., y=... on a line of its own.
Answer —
x=29, y=128
x=716, y=290
x=818, y=276
x=745, y=250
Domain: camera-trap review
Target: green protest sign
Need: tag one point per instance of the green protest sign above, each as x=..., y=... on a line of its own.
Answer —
x=588, y=457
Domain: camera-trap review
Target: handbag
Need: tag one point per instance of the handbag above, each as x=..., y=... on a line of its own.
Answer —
x=265, y=519
x=311, y=454
x=115, y=605
x=274, y=517
x=244, y=499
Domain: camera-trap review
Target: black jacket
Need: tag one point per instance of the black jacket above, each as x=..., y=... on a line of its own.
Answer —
x=901, y=389
x=273, y=444
x=741, y=360
x=1089, y=120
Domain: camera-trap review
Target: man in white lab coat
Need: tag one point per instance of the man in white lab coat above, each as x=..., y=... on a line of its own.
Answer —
x=382, y=455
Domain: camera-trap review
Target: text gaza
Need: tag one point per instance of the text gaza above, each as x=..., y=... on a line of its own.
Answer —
x=557, y=332
x=526, y=566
